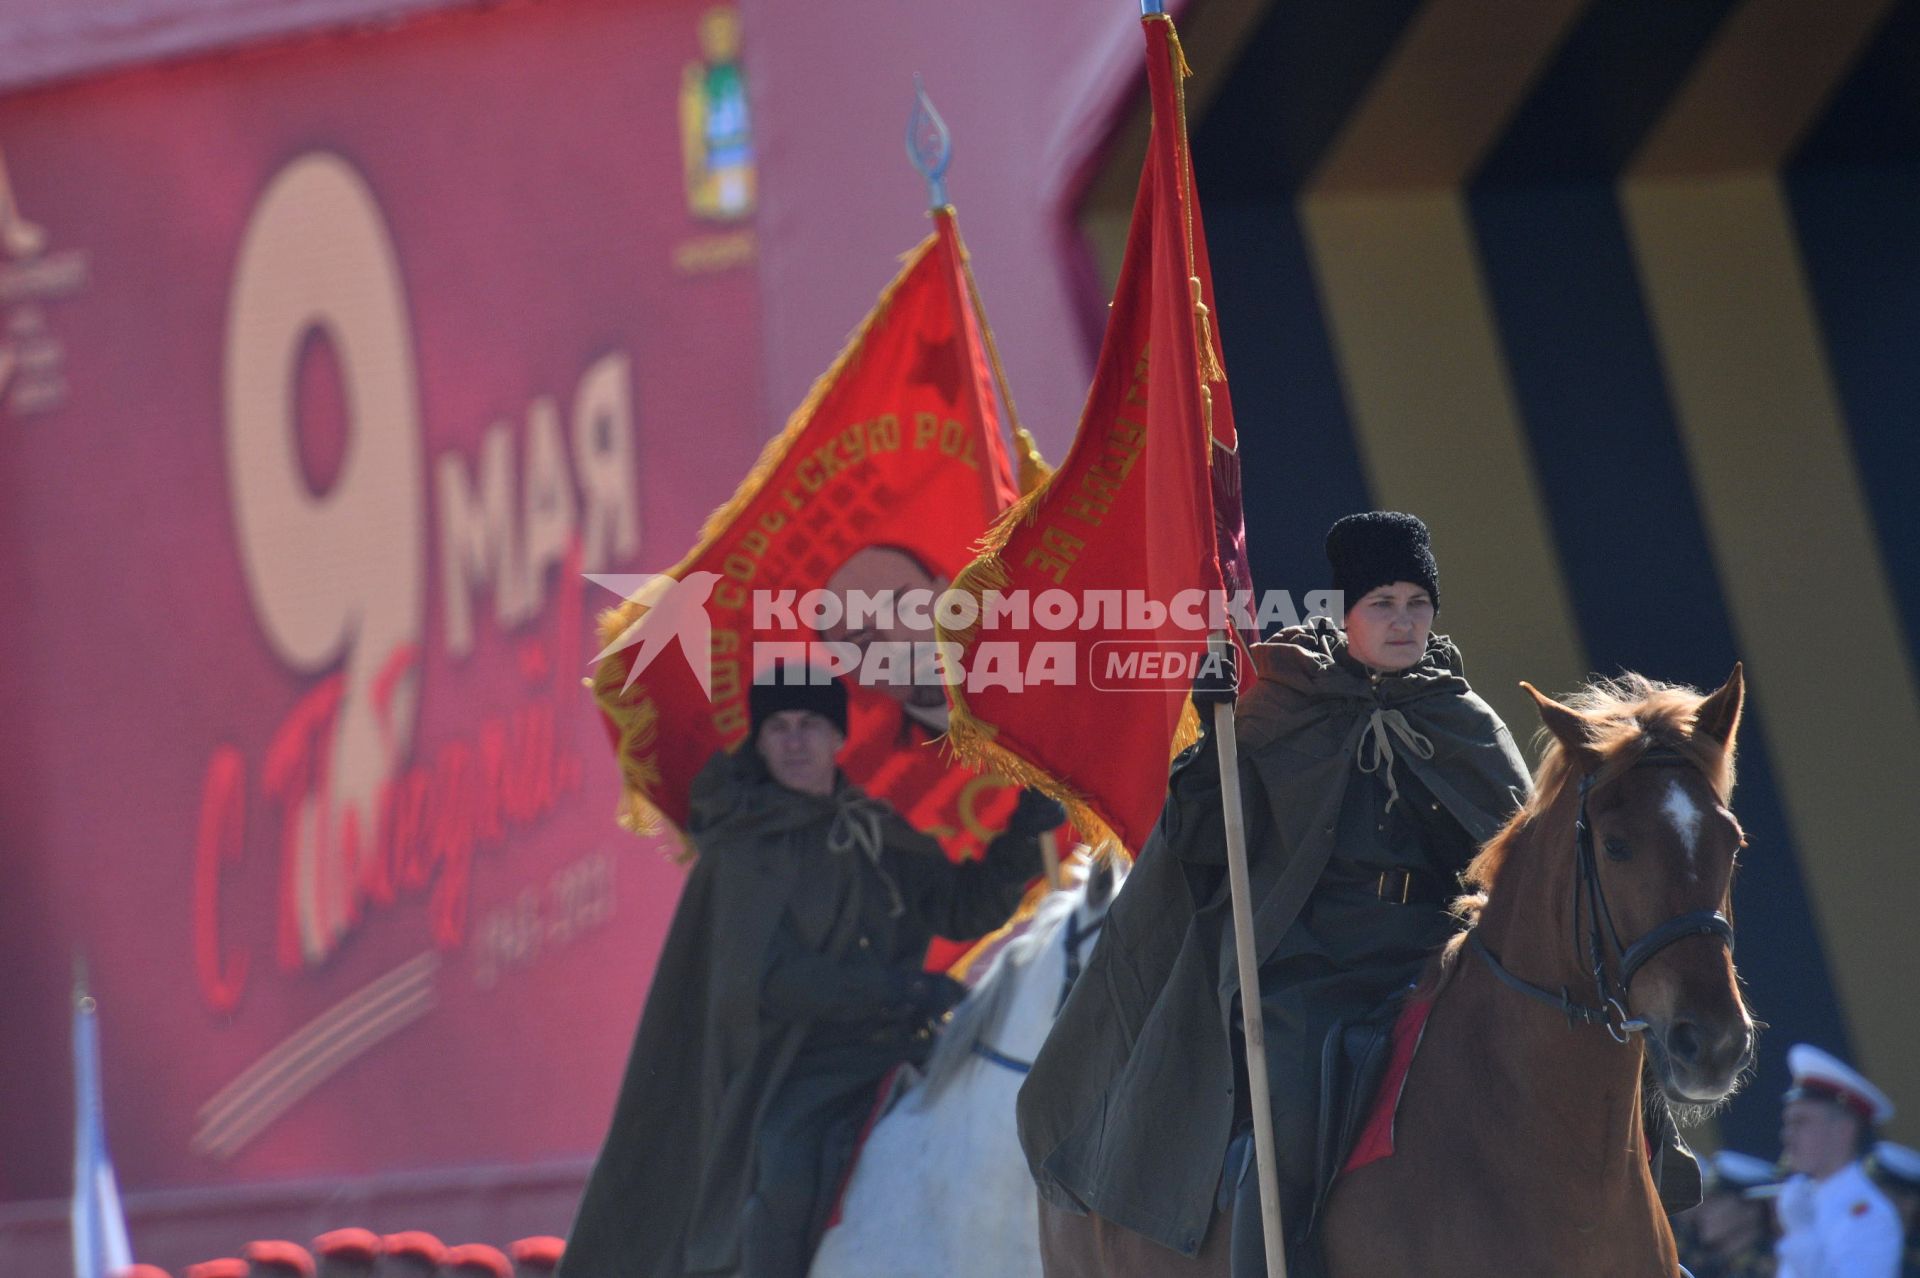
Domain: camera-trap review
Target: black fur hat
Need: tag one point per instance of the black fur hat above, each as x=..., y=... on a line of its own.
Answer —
x=1377, y=548
x=764, y=700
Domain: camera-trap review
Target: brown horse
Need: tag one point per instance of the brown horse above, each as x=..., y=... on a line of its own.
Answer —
x=1600, y=952
x=1601, y=946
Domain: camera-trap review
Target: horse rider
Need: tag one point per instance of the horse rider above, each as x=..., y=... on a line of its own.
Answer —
x=1834, y=1221
x=1371, y=773
x=1730, y=1234
x=1896, y=1169
x=789, y=986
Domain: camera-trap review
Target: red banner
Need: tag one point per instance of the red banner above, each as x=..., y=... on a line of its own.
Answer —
x=1124, y=529
x=325, y=372
x=881, y=483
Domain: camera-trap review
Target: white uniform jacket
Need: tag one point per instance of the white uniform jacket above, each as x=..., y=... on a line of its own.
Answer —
x=1840, y=1227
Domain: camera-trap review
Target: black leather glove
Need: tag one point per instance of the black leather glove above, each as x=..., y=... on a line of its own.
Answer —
x=1218, y=682
x=1035, y=814
x=922, y=998
x=933, y=995
x=911, y=1020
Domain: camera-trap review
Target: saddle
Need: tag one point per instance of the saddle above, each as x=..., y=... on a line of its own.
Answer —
x=1363, y=1063
x=1359, y=1064
x=1353, y=1064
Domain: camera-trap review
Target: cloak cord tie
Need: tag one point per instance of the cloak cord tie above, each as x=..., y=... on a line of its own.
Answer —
x=1375, y=753
x=856, y=828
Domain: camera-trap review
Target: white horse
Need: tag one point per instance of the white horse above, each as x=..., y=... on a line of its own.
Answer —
x=942, y=1187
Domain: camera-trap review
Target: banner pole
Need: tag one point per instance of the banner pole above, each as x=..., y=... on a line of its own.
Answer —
x=1050, y=855
x=1249, y=966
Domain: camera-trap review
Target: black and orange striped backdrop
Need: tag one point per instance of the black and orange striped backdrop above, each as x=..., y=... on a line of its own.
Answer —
x=1623, y=297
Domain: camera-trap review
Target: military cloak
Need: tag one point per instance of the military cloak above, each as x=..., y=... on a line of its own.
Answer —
x=1129, y=1109
x=666, y=1193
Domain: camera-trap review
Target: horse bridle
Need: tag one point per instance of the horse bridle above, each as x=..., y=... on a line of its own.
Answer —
x=1590, y=899
x=1075, y=938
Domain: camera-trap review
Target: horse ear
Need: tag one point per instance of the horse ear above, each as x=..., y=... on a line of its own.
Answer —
x=1569, y=727
x=1719, y=715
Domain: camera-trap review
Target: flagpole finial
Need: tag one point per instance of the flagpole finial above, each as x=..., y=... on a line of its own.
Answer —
x=929, y=145
x=1153, y=8
x=81, y=998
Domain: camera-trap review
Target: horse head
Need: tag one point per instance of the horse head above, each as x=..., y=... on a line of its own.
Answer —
x=1654, y=783
x=1638, y=847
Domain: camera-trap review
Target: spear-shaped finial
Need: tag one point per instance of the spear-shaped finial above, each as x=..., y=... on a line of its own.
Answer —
x=929, y=145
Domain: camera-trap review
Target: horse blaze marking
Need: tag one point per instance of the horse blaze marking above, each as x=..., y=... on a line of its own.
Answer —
x=1684, y=813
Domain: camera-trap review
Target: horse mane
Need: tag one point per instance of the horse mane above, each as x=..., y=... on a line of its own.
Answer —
x=1627, y=717
x=983, y=1006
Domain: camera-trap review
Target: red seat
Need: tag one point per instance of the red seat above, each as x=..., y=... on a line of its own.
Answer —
x=539, y=1254
x=476, y=1260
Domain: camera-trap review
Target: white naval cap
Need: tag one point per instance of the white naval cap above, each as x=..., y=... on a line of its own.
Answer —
x=1735, y=1173
x=1820, y=1075
x=1897, y=1162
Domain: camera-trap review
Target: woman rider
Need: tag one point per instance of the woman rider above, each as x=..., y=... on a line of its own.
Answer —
x=1370, y=772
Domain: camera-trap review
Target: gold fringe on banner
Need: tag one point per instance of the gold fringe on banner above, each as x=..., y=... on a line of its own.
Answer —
x=974, y=741
x=1211, y=369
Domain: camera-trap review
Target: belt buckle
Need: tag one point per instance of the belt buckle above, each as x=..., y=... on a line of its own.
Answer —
x=1381, y=890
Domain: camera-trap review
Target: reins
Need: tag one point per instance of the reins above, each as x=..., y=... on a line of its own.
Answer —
x=1590, y=902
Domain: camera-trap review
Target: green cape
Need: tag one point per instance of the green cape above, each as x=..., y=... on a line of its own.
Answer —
x=1129, y=1108
x=665, y=1194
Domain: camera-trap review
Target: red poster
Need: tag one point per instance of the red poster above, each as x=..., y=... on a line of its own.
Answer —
x=326, y=370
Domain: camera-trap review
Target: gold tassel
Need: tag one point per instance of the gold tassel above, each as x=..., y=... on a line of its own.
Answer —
x=1210, y=369
x=1033, y=467
x=1173, y=41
